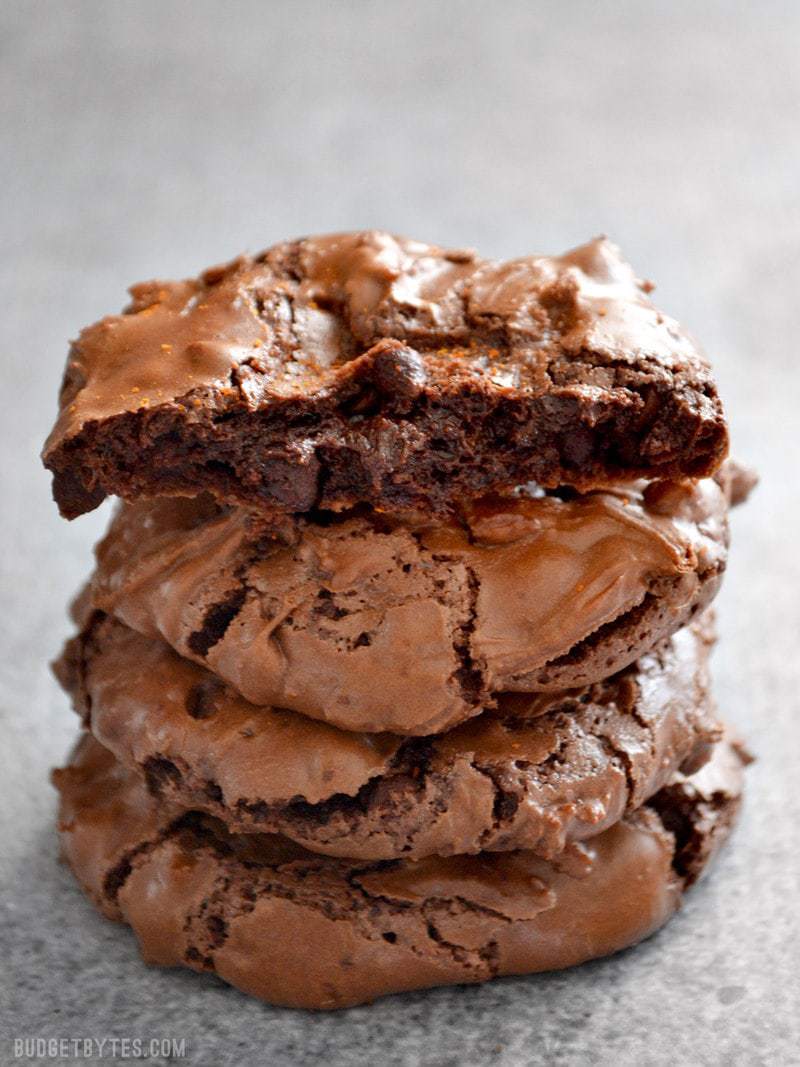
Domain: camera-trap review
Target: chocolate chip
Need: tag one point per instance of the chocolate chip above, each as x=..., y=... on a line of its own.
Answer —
x=397, y=370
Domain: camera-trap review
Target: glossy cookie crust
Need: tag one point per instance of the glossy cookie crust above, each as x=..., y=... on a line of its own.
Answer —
x=306, y=931
x=364, y=368
x=535, y=773
x=376, y=622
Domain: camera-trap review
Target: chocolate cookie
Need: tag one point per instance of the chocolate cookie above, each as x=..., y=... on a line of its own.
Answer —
x=307, y=931
x=375, y=624
x=366, y=368
x=537, y=773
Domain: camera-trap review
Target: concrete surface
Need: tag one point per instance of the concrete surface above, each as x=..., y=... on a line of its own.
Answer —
x=145, y=138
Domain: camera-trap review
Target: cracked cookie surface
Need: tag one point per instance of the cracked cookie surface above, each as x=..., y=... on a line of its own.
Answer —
x=368, y=368
x=240, y=906
x=377, y=623
x=537, y=772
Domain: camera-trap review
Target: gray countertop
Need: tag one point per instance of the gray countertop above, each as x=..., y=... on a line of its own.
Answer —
x=154, y=138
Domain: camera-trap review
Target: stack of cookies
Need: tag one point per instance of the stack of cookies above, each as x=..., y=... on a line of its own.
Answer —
x=393, y=667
